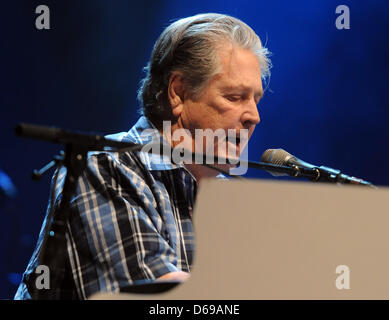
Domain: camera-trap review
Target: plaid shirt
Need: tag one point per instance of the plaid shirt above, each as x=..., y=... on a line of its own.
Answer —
x=131, y=219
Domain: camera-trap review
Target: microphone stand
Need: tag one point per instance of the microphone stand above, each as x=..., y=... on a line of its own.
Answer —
x=54, y=242
x=315, y=174
x=77, y=145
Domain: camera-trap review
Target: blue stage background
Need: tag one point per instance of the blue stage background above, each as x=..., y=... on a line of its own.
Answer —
x=326, y=102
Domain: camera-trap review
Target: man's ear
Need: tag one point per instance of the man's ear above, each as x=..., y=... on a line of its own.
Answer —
x=176, y=93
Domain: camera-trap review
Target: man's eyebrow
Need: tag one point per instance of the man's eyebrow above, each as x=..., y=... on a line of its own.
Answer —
x=244, y=88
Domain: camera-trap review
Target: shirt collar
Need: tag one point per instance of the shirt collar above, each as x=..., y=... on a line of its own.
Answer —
x=144, y=132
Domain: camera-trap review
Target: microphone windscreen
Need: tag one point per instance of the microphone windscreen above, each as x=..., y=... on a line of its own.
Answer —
x=276, y=156
x=37, y=132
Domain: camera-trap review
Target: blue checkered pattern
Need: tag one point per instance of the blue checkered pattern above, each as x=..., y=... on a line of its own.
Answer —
x=131, y=219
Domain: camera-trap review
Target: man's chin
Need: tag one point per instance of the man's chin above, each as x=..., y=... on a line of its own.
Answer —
x=231, y=155
x=225, y=167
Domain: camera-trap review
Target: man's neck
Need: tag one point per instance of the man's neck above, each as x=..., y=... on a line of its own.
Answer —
x=197, y=170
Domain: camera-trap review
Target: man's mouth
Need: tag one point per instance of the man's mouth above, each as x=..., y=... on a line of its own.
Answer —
x=234, y=140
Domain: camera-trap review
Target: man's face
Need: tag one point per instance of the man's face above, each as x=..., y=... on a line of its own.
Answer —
x=230, y=99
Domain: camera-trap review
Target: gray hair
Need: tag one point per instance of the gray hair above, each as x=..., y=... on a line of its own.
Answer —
x=190, y=45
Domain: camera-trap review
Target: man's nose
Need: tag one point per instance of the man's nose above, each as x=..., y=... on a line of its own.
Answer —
x=251, y=115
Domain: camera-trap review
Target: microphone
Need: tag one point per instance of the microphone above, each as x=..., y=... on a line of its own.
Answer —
x=280, y=157
x=93, y=142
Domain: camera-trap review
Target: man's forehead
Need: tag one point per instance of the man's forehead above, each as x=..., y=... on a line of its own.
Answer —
x=239, y=69
x=229, y=87
x=233, y=57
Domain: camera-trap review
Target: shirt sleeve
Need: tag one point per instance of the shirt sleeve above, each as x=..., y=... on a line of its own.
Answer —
x=116, y=233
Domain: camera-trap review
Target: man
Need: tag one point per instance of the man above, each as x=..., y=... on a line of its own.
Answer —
x=131, y=215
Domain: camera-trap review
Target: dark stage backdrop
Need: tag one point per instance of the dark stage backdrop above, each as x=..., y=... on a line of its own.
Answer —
x=326, y=101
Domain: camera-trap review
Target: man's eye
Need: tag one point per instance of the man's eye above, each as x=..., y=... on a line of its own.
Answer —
x=233, y=98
